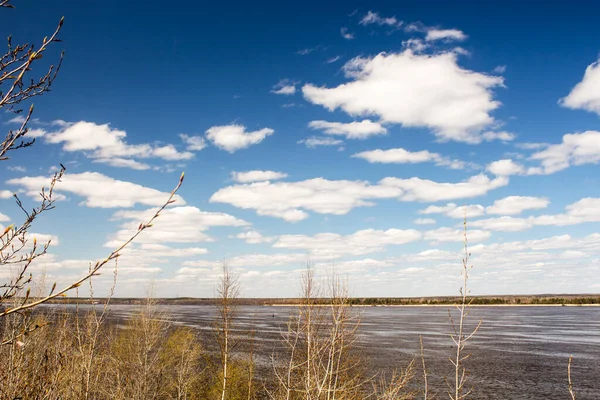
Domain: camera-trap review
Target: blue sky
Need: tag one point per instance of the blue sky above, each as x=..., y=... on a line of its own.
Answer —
x=356, y=134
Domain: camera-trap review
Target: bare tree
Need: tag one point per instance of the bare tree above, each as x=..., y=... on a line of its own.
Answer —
x=227, y=291
x=460, y=336
x=17, y=248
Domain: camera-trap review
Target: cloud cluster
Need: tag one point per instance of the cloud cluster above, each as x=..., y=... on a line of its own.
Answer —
x=358, y=243
x=415, y=90
x=575, y=149
x=291, y=200
x=582, y=211
x=107, y=145
x=184, y=224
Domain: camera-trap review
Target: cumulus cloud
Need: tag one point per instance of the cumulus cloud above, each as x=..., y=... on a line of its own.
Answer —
x=194, y=143
x=6, y=194
x=257, y=176
x=185, y=224
x=4, y=218
x=402, y=156
x=417, y=189
x=232, y=138
x=108, y=145
x=97, y=190
x=582, y=211
x=512, y=205
x=353, y=130
x=291, y=200
x=445, y=34
x=505, y=167
x=361, y=242
x=415, y=90
x=586, y=94
x=575, y=149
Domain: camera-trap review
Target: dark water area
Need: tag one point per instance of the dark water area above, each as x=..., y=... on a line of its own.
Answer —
x=518, y=352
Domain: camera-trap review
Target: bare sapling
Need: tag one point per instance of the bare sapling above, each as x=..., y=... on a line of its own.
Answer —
x=227, y=291
x=571, y=390
x=460, y=336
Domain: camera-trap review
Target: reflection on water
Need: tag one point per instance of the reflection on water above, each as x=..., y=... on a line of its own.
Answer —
x=518, y=353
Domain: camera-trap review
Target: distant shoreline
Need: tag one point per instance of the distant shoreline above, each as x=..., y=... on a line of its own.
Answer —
x=441, y=305
x=475, y=301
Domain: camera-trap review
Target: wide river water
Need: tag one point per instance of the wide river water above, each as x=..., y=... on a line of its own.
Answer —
x=518, y=352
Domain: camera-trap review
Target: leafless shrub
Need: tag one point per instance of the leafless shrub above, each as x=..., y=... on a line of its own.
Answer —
x=319, y=341
x=396, y=388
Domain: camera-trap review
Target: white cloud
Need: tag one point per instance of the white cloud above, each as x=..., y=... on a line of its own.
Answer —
x=346, y=34
x=417, y=189
x=4, y=218
x=516, y=205
x=332, y=59
x=505, y=167
x=361, y=242
x=582, y=211
x=315, y=141
x=194, y=143
x=455, y=235
x=6, y=194
x=575, y=149
x=232, y=138
x=416, y=45
x=502, y=136
x=254, y=237
x=98, y=190
x=289, y=200
x=416, y=91
x=35, y=132
x=424, y=221
x=353, y=130
x=374, y=18
x=17, y=168
x=104, y=142
x=454, y=211
x=504, y=224
x=447, y=34
x=257, y=176
x=500, y=69
x=176, y=225
x=253, y=260
x=586, y=94
x=285, y=87
x=402, y=156
x=123, y=163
